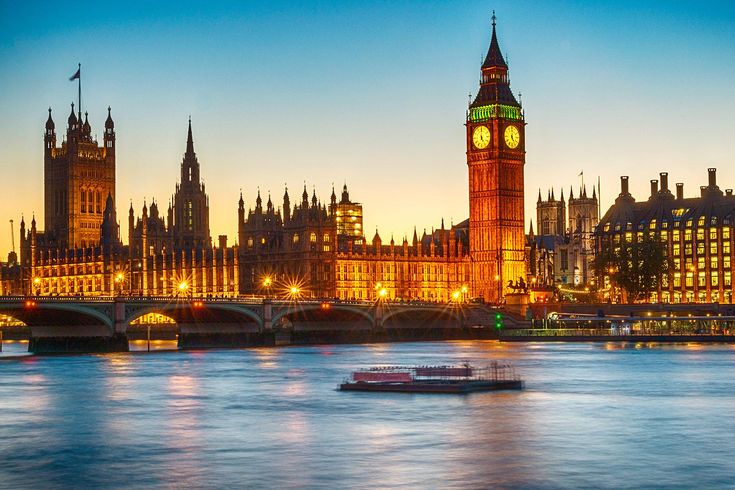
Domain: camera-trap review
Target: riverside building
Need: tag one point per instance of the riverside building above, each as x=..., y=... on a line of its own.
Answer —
x=696, y=232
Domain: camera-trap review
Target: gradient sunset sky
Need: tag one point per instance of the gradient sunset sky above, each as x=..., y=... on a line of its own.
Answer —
x=372, y=93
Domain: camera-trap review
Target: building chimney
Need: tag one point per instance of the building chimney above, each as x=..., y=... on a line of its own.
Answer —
x=664, y=181
x=703, y=190
x=712, y=177
x=728, y=192
x=654, y=188
x=680, y=190
x=624, y=185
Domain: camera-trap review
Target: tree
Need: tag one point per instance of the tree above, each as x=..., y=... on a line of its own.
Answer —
x=636, y=266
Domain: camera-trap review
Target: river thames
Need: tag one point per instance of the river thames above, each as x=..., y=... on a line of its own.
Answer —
x=597, y=415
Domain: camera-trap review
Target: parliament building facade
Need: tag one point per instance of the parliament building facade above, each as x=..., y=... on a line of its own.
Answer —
x=310, y=248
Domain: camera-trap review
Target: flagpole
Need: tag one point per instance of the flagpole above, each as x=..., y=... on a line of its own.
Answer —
x=79, y=100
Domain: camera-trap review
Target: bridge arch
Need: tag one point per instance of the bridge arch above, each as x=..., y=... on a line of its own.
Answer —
x=303, y=307
x=7, y=320
x=437, y=310
x=176, y=312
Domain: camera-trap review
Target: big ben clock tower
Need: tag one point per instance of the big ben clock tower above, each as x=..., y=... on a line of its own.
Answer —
x=495, y=159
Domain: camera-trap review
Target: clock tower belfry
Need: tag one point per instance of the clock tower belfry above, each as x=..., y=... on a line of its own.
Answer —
x=495, y=159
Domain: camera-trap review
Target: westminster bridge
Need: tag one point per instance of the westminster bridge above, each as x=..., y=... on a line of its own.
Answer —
x=102, y=324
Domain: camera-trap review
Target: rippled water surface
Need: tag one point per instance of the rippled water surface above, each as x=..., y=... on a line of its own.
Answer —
x=592, y=415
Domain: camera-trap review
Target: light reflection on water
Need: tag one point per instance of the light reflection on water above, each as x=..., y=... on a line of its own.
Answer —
x=593, y=415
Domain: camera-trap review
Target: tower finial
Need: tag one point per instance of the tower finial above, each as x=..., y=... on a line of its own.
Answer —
x=494, y=18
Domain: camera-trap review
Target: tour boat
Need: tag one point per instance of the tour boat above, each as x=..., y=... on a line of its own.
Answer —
x=435, y=379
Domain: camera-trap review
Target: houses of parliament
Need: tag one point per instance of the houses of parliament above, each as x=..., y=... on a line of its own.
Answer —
x=303, y=245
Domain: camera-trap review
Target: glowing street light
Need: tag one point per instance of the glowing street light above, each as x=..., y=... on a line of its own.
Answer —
x=455, y=295
x=119, y=280
x=383, y=292
x=183, y=287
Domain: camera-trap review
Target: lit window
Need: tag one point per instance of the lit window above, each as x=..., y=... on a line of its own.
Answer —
x=296, y=238
x=312, y=237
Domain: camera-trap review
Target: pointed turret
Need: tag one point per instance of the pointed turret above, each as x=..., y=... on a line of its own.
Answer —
x=530, y=230
x=109, y=123
x=269, y=204
x=286, y=206
x=494, y=58
x=571, y=193
x=189, y=141
x=86, y=127
x=72, y=118
x=345, y=195
x=258, y=202
x=539, y=196
x=552, y=194
x=562, y=195
x=50, y=122
x=313, y=198
x=305, y=198
x=494, y=84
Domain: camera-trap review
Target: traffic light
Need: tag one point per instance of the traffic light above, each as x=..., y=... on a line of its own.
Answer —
x=498, y=320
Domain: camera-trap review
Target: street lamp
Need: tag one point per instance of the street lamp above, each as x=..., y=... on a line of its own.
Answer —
x=267, y=282
x=183, y=288
x=119, y=279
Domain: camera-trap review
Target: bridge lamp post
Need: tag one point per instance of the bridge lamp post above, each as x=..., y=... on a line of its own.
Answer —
x=183, y=288
x=267, y=283
x=500, y=288
x=119, y=279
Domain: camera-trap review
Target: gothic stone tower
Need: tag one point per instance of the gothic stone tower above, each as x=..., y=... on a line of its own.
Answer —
x=78, y=177
x=190, y=204
x=495, y=157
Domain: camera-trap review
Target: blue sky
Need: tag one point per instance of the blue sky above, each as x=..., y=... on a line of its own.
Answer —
x=371, y=93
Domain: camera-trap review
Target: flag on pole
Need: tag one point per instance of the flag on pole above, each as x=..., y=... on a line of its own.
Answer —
x=76, y=75
x=580, y=173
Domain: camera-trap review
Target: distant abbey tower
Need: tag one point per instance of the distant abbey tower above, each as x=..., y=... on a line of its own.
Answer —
x=78, y=177
x=495, y=158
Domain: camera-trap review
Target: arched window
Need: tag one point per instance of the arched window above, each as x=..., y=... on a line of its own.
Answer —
x=90, y=201
x=99, y=202
x=83, y=201
x=312, y=237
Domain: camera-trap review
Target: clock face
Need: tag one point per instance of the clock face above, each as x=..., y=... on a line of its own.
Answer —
x=512, y=136
x=481, y=137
